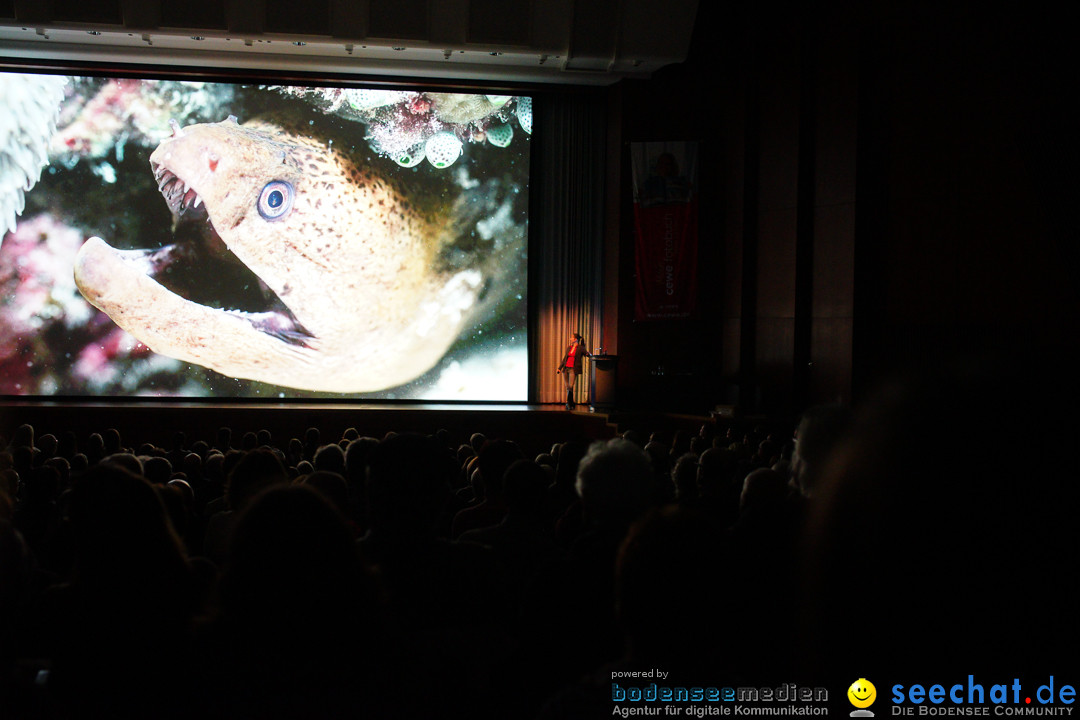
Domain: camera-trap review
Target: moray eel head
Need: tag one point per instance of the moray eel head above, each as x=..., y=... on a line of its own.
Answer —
x=348, y=297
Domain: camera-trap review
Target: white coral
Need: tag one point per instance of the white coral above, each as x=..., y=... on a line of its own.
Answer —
x=29, y=105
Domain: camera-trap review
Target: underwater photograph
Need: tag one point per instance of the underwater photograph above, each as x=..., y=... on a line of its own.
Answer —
x=180, y=239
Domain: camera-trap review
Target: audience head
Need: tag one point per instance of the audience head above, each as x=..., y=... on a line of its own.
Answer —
x=615, y=482
x=224, y=439
x=22, y=458
x=157, y=470
x=356, y=459
x=409, y=481
x=716, y=468
x=292, y=568
x=48, y=445
x=129, y=462
x=763, y=489
x=525, y=487
x=819, y=430
x=200, y=448
x=120, y=526
x=330, y=458
x=464, y=452
x=659, y=457
x=254, y=472
x=191, y=465
x=23, y=436
x=184, y=488
x=79, y=463
x=332, y=486
x=495, y=457
x=567, y=458
x=112, y=441
x=685, y=478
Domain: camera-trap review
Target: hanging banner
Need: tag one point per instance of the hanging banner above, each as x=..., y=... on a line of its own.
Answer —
x=666, y=229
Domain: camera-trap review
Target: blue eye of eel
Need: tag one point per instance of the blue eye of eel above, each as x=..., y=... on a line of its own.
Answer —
x=275, y=200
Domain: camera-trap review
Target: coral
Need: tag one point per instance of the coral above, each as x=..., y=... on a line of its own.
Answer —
x=51, y=340
x=407, y=126
x=38, y=294
x=101, y=118
x=29, y=105
x=442, y=149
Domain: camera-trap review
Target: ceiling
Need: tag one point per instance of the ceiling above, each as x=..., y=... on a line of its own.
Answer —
x=578, y=42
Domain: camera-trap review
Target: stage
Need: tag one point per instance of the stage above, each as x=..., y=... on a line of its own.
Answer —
x=533, y=426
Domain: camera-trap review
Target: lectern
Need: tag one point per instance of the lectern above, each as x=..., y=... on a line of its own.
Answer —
x=602, y=382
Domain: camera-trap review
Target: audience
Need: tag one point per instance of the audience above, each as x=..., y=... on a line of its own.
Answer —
x=334, y=580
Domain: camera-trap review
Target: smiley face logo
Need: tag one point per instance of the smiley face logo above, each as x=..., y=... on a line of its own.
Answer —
x=862, y=693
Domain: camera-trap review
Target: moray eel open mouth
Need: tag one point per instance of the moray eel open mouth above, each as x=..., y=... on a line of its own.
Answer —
x=200, y=268
x=295, y=264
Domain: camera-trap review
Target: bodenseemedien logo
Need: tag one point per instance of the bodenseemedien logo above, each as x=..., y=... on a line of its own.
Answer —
x=671, y=699
x=862, y=694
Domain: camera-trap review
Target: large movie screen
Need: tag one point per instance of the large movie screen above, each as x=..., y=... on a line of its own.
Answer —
x=178, y=239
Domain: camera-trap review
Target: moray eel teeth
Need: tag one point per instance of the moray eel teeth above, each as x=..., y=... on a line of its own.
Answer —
x=296, y=265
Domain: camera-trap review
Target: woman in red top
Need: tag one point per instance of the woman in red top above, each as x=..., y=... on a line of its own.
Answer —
x=570, y=367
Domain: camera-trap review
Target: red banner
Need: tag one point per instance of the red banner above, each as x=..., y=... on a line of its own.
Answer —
x=666, y=229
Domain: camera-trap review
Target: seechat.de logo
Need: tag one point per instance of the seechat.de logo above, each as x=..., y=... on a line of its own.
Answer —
x=977, y=698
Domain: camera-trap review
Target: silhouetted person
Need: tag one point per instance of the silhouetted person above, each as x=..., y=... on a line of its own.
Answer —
x=445, y=595
x=299, y=630
x=819, y=430
x=718, y=485
x=311, y=442
x=95, y=448
x=495, y=457
x=224, y=440
x=562, y=494
x=332, y=486
x=113, y=444
x=684, y=478
x=330, y=458
x=116, y=633
x=523, y=540
x=254, y=472
x=929, y=531
x=571, y=606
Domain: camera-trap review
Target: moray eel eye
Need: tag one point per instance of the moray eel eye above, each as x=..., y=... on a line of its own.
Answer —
x=275, y=200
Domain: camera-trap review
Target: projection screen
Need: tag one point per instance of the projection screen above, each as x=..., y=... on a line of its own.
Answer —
x=173, y=238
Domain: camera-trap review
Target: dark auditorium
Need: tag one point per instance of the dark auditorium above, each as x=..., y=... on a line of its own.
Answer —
x=494, y=359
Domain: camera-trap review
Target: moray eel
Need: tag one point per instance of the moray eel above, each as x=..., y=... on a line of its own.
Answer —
x=347, y=262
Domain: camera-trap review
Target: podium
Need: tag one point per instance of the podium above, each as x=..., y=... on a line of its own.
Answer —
x=602, y=382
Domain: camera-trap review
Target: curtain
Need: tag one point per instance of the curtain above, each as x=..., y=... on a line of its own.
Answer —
x=566, y=253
